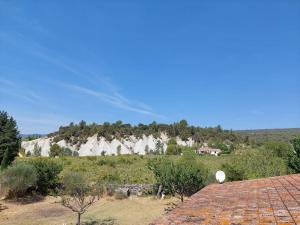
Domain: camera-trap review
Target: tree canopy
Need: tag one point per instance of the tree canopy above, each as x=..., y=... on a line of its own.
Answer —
x=78, y=133
x=9, y=139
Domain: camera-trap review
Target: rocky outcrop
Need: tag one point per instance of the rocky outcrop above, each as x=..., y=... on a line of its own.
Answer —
x=95, y=146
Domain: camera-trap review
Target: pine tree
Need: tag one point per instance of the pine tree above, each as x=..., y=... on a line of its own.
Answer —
x=5, y=161
x=9, y=139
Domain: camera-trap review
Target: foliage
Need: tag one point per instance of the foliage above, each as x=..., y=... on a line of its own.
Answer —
x=5, y=161
x=31, y=137
x=278, y=149
x=37, y=150
x=173, y=149
x=294, y=157
x=55, y=150
x=119, y=148
x=78, y=133
x=259, y=137
x=233, y=171
x=183, y=177
x=253, y=164
x=47, y=174
x=79, y=194
x=9, y=139
x=18, y=178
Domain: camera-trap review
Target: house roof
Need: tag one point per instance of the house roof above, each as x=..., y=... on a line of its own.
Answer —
x=274, y=200
x=208, y=149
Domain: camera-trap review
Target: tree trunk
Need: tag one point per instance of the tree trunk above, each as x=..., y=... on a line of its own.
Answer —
x=159, y=191
x=181, y=197
x=78, y=219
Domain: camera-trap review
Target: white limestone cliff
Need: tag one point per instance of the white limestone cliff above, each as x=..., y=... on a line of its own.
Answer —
x=94, y=146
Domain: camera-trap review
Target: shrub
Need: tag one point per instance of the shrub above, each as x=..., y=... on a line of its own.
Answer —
x=294, y=157
x=184, y=177
x=278, y=149
x=18, y=178
x=47, y=174
x=233, y=172
x=55, y=150
x=254, y=164
x=37, y=150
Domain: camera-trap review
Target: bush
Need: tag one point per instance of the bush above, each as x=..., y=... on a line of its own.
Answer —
x=294, y=157
x=184, y=177
x=233, y=172
x=55, y=150
x=254, y=164
x=18, y=178
x=37, y=150
x=47, y=174
x=278, y=149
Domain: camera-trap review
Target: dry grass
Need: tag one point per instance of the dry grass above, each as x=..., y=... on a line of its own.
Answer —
x=133, y=211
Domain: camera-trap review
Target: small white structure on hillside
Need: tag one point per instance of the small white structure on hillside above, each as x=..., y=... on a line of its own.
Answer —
x=208, y=150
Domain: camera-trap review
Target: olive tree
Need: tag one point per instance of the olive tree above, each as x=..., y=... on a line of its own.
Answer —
x=18, y=178
x=79, y=194
x=184, y=177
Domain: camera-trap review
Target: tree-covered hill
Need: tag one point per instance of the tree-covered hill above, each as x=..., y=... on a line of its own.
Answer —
x=260, y=136
x=78, y=133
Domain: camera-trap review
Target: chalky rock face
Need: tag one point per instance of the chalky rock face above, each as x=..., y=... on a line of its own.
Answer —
x=96, y=145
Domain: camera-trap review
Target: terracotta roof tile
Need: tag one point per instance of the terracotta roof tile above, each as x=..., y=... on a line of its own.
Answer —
x=274, y=200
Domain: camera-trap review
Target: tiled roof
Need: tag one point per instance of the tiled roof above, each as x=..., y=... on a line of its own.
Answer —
x=274, y=200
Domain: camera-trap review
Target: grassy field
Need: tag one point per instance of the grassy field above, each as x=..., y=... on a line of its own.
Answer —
x=131, y=211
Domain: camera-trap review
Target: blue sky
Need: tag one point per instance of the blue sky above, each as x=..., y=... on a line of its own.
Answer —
x=233, y=63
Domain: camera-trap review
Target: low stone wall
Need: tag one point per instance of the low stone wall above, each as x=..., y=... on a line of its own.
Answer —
x=135, y=189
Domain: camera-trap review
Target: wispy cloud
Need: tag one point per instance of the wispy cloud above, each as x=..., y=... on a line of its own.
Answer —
x=111, y=95
x=11, y=88
x=116, y=100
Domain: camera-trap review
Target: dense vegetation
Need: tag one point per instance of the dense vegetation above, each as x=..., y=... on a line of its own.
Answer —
x=261, y=136
x=78, y=133
x=9, y=139
x=179, y=170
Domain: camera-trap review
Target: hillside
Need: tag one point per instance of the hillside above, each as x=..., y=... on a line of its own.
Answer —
x=260, y=136
x=119, y=138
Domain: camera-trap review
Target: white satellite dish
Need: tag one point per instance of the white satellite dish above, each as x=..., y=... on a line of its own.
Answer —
x=220, y=176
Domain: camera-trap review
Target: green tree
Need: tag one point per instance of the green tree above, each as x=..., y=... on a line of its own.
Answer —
x=18, y=178
x=159, y=148
x=78, y=194
x=294, y=157
x=6, y=160
x=55, y=150
x=182, y=177
x=147, y=149
x=37, y=150
x=66, y=152
x=47, y=174
x=119, y=150
x=9, y=139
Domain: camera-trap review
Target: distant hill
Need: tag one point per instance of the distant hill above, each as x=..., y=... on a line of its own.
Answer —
x=259, y=136
x=29, y=137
